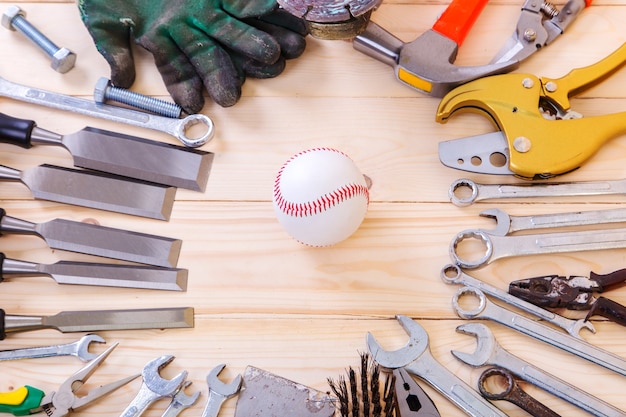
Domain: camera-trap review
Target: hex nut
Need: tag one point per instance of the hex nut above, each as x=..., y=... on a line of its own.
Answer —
x=99, y=91
x=9, y=15
x=63, y=60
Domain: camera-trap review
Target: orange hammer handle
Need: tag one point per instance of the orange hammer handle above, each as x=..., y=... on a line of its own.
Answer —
x=458, y=18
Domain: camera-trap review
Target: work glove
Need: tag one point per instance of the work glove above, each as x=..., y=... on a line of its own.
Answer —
x=196, y=43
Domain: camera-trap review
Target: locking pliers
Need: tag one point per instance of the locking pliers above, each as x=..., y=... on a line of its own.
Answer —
x=539, y=135
x=573, y=293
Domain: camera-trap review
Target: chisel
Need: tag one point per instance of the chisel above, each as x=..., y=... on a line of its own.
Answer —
x=98, y=274
x=98, y=240
x=95, y=190
x=99, y=320
x=119, y=154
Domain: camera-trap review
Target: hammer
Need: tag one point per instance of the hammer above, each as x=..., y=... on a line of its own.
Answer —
x=427, y=63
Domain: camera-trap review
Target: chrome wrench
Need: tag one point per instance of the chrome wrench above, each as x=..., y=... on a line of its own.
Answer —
x=175, y=127
x=497, y=247
x=452, y=274
x=564, y=189
x=486, y=310
x=489, y=352
x=79, y=348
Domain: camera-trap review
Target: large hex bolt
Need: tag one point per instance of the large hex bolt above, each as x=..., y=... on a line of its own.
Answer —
x=63, y=59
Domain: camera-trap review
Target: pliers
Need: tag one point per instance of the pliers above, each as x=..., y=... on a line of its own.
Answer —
x=539, y=135
x=28, y=400
x=574, y=293
x=539, y=24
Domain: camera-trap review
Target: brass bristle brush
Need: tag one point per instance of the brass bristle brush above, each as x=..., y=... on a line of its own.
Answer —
x=363, y=394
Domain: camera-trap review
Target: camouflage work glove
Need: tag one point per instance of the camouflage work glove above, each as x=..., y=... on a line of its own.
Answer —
x=195, y=43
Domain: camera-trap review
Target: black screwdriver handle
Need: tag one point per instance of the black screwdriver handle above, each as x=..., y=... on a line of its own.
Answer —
x=16, y=131
x=3, y=334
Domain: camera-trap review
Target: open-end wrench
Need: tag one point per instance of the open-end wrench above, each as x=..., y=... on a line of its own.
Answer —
x=154, y=387
x=175, y=127
x=181, y=401
x=529, y=190
x=489, y=352
x=79, y=348
x=506, y=224
x=219, y=391
x=486, y=310
x=417, y=359
x=497, y=247
x=452, y=274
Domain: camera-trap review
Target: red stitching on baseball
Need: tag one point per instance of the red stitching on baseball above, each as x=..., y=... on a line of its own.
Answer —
x=324, y=202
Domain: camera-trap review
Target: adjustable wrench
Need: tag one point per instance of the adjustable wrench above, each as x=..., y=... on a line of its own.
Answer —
x=497, y=247
x=79, y=348
x=452, y=274
x=154, y=387
x=218, y=391
x=529, y=190
x=416, y=358
x=174, y=127
x=487, y=310
x=489, y=352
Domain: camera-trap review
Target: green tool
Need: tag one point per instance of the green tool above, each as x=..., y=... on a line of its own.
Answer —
x=22, y=401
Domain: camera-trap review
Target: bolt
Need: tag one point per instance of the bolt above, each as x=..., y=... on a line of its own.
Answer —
x=104, y=92
x=551, y=86
x=63, y=59
x=528, y=83
x=530, y=35
x=522, y=144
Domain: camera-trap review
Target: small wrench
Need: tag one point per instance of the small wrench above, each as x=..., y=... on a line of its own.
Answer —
x=497, y=247
x=219, y=391
x=154, y=387
x=79, y=348
x=489, y=352
x=181, y=401
x=174, y=127
x=506, y=224
x=417, y=359
x=512, y=393
x=528, y=190
x=452, y=274
x=486, y=310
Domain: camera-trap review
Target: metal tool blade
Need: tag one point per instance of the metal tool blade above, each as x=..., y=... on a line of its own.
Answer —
x=105, y=275
x=102, y=320
x=139, y=158
x=484, y=154
x=96, y=190
x=99, y=240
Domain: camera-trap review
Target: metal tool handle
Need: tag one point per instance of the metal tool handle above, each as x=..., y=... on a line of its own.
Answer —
x=458, y=18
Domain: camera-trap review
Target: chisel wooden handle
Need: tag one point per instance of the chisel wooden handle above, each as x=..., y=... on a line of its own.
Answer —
x=16, y=131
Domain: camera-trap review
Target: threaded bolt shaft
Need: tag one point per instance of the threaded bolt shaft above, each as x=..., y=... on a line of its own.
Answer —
x=104, y=92
x=63, y=59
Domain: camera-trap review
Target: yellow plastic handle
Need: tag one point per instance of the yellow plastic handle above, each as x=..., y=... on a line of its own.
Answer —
x=15, y=397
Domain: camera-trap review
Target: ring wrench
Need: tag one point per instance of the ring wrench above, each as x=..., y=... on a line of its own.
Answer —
x=489, y=352
x=452, y=274
x=486, y=310
x=512, y=393
x=497, y=247
x=79, y=348
x=529, y=190
x=219, y=391
x=175, y=127
x=417, y=359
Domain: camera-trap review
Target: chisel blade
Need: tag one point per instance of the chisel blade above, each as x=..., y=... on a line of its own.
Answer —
x=100, y=320
x=96, y=190
x=139, y=158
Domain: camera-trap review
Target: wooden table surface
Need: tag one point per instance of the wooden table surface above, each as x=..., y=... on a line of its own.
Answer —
x=260, y=297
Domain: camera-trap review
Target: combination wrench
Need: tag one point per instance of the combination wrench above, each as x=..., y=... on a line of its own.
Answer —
x=486, y=310
x=79, y=348
x=489, y=352
x=564, y=189
x=175, y=127
x=452, y=274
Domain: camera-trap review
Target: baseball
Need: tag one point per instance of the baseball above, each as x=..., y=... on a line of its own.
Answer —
x=320, y=196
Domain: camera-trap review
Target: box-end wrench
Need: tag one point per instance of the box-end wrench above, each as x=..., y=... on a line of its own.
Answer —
x=564, y=189
x=452, y=274
x=79, y=348
x=416, y=358
x=486, y=310
x=175, y=127
x=489, y=352
x=497, y=247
